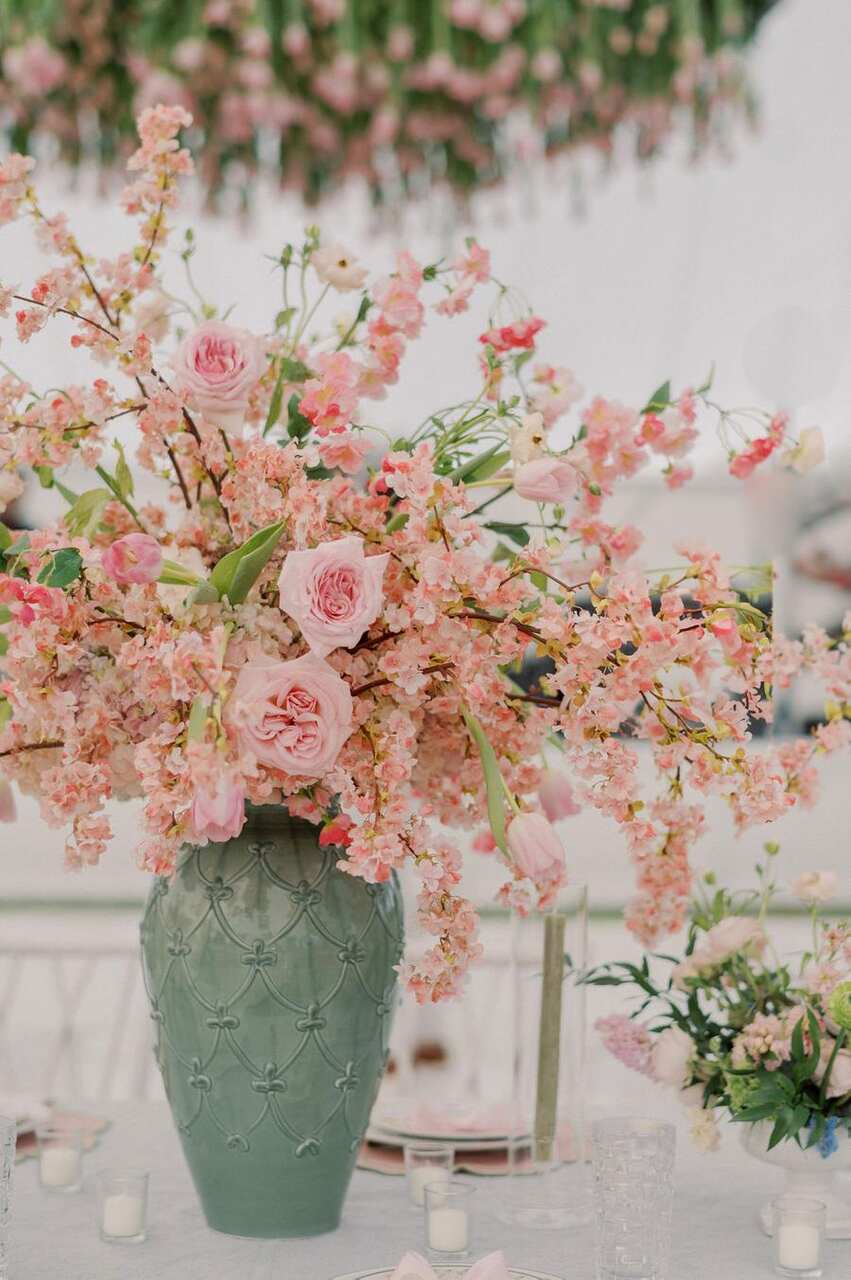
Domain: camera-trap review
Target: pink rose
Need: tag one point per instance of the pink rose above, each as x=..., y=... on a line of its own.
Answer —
x=292, y=716
x=345, y=450
x=333, y=592
x=8, y=812
x=220, y=814
x=219, y=366
x=535, y=847
x=546, y=479
x=556, y=795
x=137, y=557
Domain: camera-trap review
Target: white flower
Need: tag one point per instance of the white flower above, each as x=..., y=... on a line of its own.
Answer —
x=807, y=453
x=671, y=1057
x=704, y=1129
x=527, y=440
x=735, y=935
x=815, y=886
x=336, y=266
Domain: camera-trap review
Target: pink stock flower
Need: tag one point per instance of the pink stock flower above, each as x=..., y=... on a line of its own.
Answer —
x=219, y=366
x=628, y=1041
x=291, y=716
x=347, y=451
x=334, y=592
x=218, y=813
x=331, y=398
x=137, y=557
x=8, y=811
x=535, y=848
x=556, y=796
x=519, y=336
x=337, y=832
x=547, y=479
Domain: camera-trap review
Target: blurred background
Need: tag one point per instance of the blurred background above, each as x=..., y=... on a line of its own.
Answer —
x=642, y=275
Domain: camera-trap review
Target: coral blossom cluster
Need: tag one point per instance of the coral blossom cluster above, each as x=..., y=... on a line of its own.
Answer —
x=317, y=617
x=398, y=95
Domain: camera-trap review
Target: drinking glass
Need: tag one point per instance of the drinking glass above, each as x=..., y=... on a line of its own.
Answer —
x=548, y=1187
x=798, y=1236
x=447, y=1221
x=424, y=1164
x=633, y=1162
x=8, y=1132
x=122, y=1205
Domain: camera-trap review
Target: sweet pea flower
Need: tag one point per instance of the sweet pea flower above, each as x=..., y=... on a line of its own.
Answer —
x=219, y=814
x=547, y=479
x=8, y=812
x=334, y=265
x=807, y=453
x=220, y=366
x=135, y=558
x=535, y=847
x=556, y=795
x=735, y=935
x=334, y=592
x=291, y=716
x=815, y=886
x=671, y=1057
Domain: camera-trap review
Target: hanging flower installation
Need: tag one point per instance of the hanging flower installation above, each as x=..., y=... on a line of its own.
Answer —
x=405, y=95
x=322, y=617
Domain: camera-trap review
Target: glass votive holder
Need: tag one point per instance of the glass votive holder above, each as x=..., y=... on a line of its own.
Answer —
x=60, y=1158
x=448, y=1225
x=122, y=1205
x=426, y=1164
x=798, y=1236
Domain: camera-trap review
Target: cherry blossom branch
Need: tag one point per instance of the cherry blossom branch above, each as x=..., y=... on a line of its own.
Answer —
x=31, y=746
x=375, y=684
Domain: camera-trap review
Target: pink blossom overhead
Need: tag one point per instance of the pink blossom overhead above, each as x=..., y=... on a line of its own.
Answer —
x=333, y=592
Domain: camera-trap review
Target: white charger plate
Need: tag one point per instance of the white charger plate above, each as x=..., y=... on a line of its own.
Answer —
x=442, y=1269
x=393, y=1138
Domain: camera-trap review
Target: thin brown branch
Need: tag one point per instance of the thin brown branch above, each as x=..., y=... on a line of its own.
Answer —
x=375, y=684
x=66, y=311
x=479, y=615
x=31, y=746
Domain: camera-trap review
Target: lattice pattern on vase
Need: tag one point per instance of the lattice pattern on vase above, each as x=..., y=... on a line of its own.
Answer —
x=7, y=1165
x=633, y=1199
x=266, y=921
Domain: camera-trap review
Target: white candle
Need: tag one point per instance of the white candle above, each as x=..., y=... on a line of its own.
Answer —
x=422, y=1176
x=448, y=1230
x=798, y=1246
x=59, y=1166
x=123, y=1215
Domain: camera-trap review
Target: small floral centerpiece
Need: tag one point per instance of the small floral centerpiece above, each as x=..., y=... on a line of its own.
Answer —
x=738, y=1031
x=304, y=611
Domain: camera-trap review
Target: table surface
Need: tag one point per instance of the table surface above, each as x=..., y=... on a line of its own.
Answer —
x=54, y=1237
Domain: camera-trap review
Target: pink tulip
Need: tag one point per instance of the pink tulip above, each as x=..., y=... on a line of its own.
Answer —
x=219, y=814
x=547, y=479
x=135, y=558
x=535, y=847
x=8, y=812
x=556, y=796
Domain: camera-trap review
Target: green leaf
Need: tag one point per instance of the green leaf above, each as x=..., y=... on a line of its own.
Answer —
x=176, y=575
x=45, y=476
x=295, y=370
x=68, y=494
x=62, y=568
x=236, y=573
x=5, y=711
x=274, y=411
x=516, y=532
x=493, y=779
x=4, y=645
x=5, y=614
x=539, y=580
x=5, y=537
x=197, y=720
x=83, y=517
x=297, y=425
x=660, y=399
x=204, y=593
x=123, y=474
x=483, y=466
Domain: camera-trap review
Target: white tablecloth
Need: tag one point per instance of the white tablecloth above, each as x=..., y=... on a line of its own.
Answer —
x=55, y=1237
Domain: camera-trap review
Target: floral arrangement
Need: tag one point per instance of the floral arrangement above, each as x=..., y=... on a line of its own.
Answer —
x=403, y=95
x=737, y=1030
x=321, y=616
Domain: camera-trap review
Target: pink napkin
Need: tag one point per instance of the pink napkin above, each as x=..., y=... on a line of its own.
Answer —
x=90, y=1128
x=413, y=1266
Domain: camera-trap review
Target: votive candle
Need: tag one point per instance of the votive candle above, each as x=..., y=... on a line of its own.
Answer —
x=60, y=1163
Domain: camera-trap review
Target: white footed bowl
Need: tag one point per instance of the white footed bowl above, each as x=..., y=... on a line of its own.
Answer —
x=807, y=1174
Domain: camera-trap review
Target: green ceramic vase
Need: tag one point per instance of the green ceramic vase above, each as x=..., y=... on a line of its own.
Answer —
x=272, y=986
